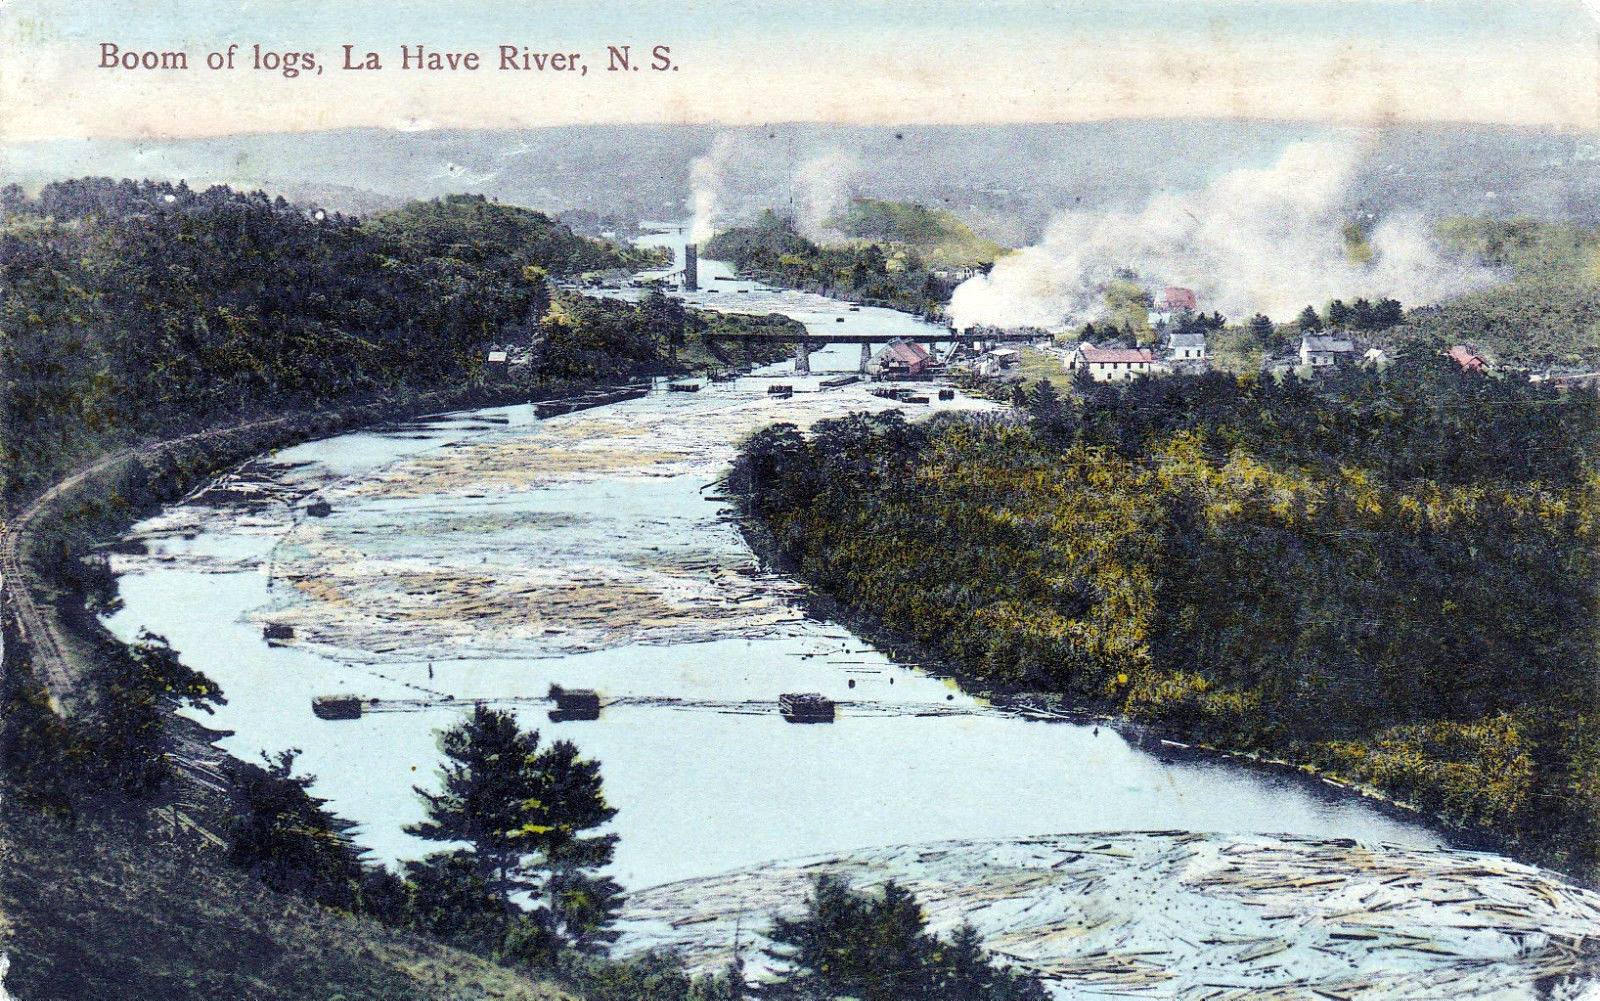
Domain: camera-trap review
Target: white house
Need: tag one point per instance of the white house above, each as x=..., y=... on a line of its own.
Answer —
x=1186, y=347
x=1321, y=352
x=1111, y=364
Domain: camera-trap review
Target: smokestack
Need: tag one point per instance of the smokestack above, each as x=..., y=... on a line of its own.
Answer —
x=691, y=267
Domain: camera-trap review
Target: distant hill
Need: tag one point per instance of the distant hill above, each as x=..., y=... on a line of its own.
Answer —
x=1546, y=315
x=1005, y=180
x=937, y=234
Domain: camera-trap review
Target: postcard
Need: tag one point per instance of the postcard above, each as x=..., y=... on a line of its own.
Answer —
x=896, y=501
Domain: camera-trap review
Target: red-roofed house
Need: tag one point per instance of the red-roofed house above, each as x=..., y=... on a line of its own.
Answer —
x=901, y=359
x=1176, y=297
x=1468, y=359
x=1111, y=364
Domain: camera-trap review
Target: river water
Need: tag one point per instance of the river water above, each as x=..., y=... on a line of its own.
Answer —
x=490, y=554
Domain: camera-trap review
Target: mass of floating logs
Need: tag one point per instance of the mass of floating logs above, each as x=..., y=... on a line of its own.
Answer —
x=1171, y=914
x=555, y=408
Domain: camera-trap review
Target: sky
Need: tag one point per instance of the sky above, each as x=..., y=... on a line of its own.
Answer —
x=1518, y=62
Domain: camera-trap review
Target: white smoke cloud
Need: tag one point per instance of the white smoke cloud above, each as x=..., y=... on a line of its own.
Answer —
x=1256, y=239
x=823, y=187
x=741, y=174
x=708, y=178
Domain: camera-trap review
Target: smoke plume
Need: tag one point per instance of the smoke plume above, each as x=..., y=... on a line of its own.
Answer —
x=742, y=173
x=822, y=188
x=708, y=180
x=1255, y=239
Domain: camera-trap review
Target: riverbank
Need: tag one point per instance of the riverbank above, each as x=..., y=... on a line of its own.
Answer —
x=1220, y=601
x=1163, y=739
x=127, y=869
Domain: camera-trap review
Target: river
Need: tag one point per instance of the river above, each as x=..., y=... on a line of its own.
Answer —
x=487, y=555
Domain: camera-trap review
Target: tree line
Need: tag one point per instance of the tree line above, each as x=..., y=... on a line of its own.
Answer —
x=1381, y=573
x=133, y=307
x=773, y=250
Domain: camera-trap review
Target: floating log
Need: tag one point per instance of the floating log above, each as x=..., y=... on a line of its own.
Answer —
x=683, y=387
x=839, y=380
x=336, y=707
x=806, y=707
x=947, y=394
x=574, y=704
x=277, y=631
x=319, y=508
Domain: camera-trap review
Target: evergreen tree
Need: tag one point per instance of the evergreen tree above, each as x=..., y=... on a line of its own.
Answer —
x=1262, y=330
x=286, y=837
x=128, y=738
x=897, y=961
x=1338, y=314
x=525, y=814
x=1043, y=402
x=1387, y=313
x=1308, y=321
x=877, y=948
x=1361, y=315
x=966, y=973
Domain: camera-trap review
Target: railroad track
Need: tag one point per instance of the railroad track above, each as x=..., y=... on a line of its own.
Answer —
x=37, y=630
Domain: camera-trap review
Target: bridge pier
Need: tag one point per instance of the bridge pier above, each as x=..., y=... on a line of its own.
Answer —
x=866, y=357
x=802, y=357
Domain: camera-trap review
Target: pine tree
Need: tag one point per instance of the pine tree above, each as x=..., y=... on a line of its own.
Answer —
x=965, y=971
x=1338, y=314
x=1044, y=402
x=524, y=812
x=813, y=953
x=898, y=960
x=489, y=798
x=1308, y=321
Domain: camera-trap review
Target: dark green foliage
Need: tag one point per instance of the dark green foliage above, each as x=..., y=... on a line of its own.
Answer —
x=502, y=238
x=774, y=251
x=877, y=948
x=1308, y=321
x=40, y=754
x=526, y=814
x=96, y=909
x=1386, y=573
x=126, y=734
x=449, y=897
x=135, y=308
x=286, y=838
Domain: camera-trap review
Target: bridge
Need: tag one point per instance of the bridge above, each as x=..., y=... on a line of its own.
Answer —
x=814, y=341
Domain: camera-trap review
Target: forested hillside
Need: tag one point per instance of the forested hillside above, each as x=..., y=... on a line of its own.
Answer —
x=132, y=307
x=934, y=235
x=1391, y=576
x=1547, y=313
x=774, y=251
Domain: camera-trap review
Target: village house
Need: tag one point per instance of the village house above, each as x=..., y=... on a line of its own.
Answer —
x=900, y=360
x=498, y=362
x=956, y=275
x=1468, y=359
x=1317, y=351
x=1111, y=364
x=1174, y=300
x=1186, y=348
